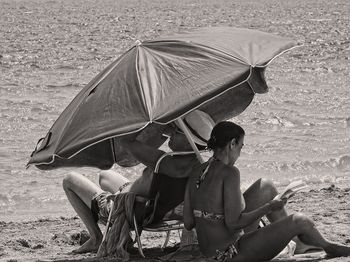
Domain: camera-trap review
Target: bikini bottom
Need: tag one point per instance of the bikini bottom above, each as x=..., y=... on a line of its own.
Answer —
x=227, y=254
x=231, y=250
x=207, y=215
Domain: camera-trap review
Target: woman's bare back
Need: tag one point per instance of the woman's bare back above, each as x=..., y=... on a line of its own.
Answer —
x=207, y=197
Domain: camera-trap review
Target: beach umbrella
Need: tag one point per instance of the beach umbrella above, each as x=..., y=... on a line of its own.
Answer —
x=217, y=70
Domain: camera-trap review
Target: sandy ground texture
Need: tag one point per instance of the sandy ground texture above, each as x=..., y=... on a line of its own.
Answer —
x=53, y=239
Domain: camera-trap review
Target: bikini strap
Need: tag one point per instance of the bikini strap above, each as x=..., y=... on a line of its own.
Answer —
x=202, y=176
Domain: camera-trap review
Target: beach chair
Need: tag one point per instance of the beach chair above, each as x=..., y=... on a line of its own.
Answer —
x=149, y=206
x=144, y=210
x=163, y=226
x=138, y=222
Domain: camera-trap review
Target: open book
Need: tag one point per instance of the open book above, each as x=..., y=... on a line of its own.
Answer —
x=291, y=189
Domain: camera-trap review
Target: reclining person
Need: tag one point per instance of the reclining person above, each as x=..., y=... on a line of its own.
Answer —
x=171, y=173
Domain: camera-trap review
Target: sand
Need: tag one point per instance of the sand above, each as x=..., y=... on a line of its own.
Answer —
x=53, y=239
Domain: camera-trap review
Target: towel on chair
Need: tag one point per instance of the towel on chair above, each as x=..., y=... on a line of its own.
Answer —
x=118, y=236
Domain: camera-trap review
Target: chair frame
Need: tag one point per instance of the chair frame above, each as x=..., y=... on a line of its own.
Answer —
x=147, y=225
x=174, y=225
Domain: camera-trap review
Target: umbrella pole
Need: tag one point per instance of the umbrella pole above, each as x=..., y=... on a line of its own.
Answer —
x=188, y=136
x=189, y=237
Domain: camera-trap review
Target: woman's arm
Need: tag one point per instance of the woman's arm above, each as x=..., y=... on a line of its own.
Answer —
x=145, y=152
x=235, y=217
x=189, y=220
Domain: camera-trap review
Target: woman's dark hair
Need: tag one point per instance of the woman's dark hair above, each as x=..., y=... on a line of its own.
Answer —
x=222, y=133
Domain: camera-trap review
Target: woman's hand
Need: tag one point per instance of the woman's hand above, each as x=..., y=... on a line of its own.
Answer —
x=151, y=135
x=111, y=196
x=125, y=139
x=277, y=204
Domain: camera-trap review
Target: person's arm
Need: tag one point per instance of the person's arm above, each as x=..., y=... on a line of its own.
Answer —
x=235, y=218
x=146, y=153
x=189, y=220
x=178, y=166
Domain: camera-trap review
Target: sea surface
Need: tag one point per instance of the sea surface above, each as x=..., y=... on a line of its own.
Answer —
x=49, y=50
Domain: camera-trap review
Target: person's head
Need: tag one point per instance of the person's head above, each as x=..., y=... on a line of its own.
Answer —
x=227, y=138
x=199, y=124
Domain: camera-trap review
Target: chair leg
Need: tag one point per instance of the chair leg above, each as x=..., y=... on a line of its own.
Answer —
x=166, y=239
x=139, y=245
x=179, y=233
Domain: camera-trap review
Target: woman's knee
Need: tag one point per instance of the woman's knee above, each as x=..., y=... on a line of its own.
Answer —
x=110, y=178
x=268, y=187
x=104, y=177
x=302, y=221
x=70, y=179
x=262, y=191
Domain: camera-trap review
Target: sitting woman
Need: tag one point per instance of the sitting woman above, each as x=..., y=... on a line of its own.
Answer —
x=226, y=220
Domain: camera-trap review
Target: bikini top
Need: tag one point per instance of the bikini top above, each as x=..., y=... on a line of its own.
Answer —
x=200, y=213
x=202, y=176
x=200, y=179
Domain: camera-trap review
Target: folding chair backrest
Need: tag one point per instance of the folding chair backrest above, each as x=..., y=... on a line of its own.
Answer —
x=170, y=190
x=166, y=193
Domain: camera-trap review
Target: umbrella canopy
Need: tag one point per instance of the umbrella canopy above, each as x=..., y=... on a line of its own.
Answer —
x=217, y=70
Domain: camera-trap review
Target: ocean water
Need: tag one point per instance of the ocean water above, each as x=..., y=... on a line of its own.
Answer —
x=300, y=129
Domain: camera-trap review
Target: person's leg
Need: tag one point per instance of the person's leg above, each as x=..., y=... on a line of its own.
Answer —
x=111, y=181
x=258, y=194
x=267, y=242
x=80, y=191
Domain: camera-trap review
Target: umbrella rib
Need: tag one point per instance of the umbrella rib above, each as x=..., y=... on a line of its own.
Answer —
x=212, y=98
x=117, y=61
x=250, y=73
x=279, y=54
x=142, y=91
x=204, y=46
x=223, y=52
x=113, y=150
x=69, y=157
x=106, y=138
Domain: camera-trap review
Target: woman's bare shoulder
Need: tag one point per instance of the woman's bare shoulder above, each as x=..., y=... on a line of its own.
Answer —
x=231, y=173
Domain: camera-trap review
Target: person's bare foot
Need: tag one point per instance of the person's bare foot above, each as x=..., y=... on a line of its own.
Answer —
x=336, y=250
x=302, y=248
x=90, y=246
